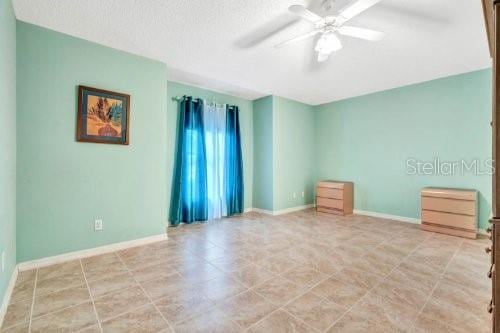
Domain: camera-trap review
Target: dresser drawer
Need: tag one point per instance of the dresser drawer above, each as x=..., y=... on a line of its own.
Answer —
x=449, y=205
x=329, y=203
x=330, y=184
x=449, y=220
x=450, y=193
x=333, y=193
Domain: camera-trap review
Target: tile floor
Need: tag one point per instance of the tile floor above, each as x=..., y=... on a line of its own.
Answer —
x=300, y=272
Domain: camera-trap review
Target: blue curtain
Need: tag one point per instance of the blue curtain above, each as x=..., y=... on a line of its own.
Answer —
x=233, y=163
x=189, y=188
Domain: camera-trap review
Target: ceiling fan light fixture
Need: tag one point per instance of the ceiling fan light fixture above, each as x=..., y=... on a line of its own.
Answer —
x=327, y=44
x=323, y=57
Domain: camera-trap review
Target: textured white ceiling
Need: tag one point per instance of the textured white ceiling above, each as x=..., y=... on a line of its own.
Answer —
x=228, y=44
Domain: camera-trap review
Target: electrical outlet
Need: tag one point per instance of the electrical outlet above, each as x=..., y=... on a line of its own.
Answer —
x=97, y=225
x=302, y=194
x=3, y=261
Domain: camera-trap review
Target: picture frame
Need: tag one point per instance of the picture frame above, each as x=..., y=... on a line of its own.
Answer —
x=103, y=116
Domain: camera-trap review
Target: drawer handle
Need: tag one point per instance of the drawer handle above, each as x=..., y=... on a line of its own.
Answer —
x=487, y=250
x=490, y=307
x=490, y=273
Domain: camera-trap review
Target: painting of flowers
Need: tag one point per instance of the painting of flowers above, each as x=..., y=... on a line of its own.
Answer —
x=102, y=116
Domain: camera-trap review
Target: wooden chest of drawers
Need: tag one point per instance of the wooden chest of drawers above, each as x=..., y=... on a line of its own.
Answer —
x=450, y=211
x=334, y=197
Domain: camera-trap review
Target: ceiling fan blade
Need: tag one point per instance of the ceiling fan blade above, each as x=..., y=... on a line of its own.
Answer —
x=367, y=34
x=305, y=13
x=355, y=8
x=298, y=38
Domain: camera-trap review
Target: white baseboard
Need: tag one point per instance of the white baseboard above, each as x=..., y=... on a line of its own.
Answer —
x=27, y=265
x=403, y=219
x=262, y=211
x=388, y=216
x=7, y=295
x=280, y=211
x=292, y=209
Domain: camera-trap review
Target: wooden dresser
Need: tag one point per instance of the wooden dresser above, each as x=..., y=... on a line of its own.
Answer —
x=334, y=197
x=450, y=211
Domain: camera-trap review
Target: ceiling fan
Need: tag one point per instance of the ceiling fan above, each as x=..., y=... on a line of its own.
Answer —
x=330, y=26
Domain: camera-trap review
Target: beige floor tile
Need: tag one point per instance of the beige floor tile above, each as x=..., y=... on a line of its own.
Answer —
x=59, y=282
x=468, y=273
x=426, y=325
x=119, y=302
x=376, y=263
x=278, y=264
x=461, y=296
x=108, y=285
x=279, y=290
x=213, y=253
x=17, y=313
x=201, y=273
x=281, y=322
x=180, y=262
x=133, y=252
x=323, y=264
x=396, y=252
x=59, y=300
x=208, y=321
x=254, y=255
x=315, y=311
x=165, y=286
x=28, y=275
x=246, y=308
x=183, y=305
x=438, y=310
x=21, y=328
x=71, y=319
x=140, y=261
x=53, y=271
x=145, y=319
x=105, y=267
x=359, y=278
x=93, y=262
x=152, y=272
x=435, y=262
x=400, y=294
x=280, y=258
x=382, y=310
x=339, y=292
x=91, y=329
x=353, y=323
x=221, y=288
x=304, y=275
x=23, y=290
x=414, y=274
x=229, y=264
x=251, y=275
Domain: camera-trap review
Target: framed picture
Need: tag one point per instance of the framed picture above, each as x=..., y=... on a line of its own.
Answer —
x=103, y=116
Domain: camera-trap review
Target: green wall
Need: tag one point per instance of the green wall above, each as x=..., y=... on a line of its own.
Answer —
x=368, y=139
x=7, y=142
x=246, y=126
x=63, y=185
x=263, y=153
x=294, y=159
x=284, y=153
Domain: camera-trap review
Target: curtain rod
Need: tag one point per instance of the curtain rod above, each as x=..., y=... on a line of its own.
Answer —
x=181, y=98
